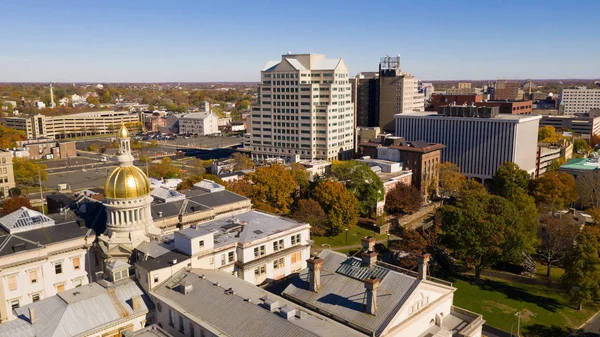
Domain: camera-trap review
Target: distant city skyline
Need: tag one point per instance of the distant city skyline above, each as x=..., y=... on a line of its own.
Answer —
x=188, y=41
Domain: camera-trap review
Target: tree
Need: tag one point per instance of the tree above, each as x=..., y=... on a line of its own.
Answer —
x=403, y=199
x=191, y=180
x=9, y=137
x=302, y=178
x=241, y=187
x=451, y=181
x=587, y=185
x=509, y=178
x=13, y=204
x=556, y=189
x=582, y=267
x=105, y=98
x=481, y=228
x=555, y=164
x=92, y=148
x=28, y=171
x=556, y=234
x=308, y=210
x=581, y=146
x=548, y=134
x=595, y=214
x=93, y=100
x=273, y=187
x=164, y=169
x=363, y=182
x=241, y=161
x=340, y=205
x=195, y=167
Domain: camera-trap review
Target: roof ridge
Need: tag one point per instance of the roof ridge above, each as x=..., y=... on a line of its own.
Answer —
x=27, y=240
x=3, y=245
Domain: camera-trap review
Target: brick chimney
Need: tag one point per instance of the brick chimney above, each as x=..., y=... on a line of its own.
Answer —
x=371, y=285
x=423, y=261
x=314, y=273
x=368, y=255
x=368, y=243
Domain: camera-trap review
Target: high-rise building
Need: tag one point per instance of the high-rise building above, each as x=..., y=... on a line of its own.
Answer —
x=366, y=98
x=398, y=92
x=505, y=90
x=304, y=108
x=478, y=144
x=579, y=100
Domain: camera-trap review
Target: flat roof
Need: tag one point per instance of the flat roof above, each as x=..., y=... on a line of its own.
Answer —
x=582, y=164
x=502, y=117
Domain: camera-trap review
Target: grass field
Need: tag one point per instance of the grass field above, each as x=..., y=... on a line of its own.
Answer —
x=555, y=272
x=354, y=235
x=544, y=311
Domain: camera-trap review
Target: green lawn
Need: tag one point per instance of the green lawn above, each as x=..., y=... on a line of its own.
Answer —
x=354, y=235
x=545, y=311
x=555, y=272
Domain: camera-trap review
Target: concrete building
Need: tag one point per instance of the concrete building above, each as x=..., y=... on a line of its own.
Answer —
x=463, y=88
x=48, y=149
x=548, y=152
x=199, y=123
x=255, y=246
x=584, y=125
x=365, y=92
x=68, y=126
x=172, y=122
x=304, y=107
x=7, y=176
x=414, y=303
x=579, y=100
x=477, y=145
x=398, y=93
x=42, y=255
x=505, y=90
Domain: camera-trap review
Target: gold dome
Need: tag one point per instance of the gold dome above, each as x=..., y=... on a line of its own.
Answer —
x=123, y=133
x=126, y=182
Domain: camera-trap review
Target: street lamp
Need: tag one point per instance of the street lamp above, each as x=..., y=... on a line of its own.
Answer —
x=388, y=243
x=346, y=236
x=518, y=314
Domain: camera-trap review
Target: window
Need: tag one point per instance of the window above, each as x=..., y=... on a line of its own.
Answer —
x=191, y=332
x=296, y=257
x=230, y=257
x=171, y=318
x=259, y=251
x=12, y=282
x=201, y=243
x=155, y=278
x=76, y=263
x=223, y=260
x=295, y=239
x=279, y=263
x=58, y=268
x=260, y=270
x=202, y=333
x=35, y=297
x=14, y=304
x=60, y=287
x=77, y=283
x=181, y=324
x=278, y=245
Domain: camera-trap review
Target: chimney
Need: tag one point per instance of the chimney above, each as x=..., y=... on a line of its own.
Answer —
x=136, y=302
x=31, y=316
x=423, y=260
x=314, y=273
x=368, y=255
x=371, y=285
x=368, y=243
x=160, y=214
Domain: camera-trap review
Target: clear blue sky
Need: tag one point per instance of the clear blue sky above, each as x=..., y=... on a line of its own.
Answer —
x=199, y=41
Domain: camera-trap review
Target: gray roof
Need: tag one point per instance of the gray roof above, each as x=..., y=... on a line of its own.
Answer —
x=166, y=194
x=253, y=225
x=149, y=331
x=170, y=258
x=342, y=292
x=239, y=313
x=24, y=219
x=196, y=200
x=76, y=311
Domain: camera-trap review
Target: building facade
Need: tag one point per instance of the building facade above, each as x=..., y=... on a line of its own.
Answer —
x=68, y=126
x=398, y=92
x=579, y=100
x=199, y=123
x=548, y=152
x=585, y=126
x=477, y=145
x=7, y=176
x=304, y=107
x=366, y=99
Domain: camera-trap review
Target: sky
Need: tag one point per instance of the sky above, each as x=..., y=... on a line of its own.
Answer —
x=218, y=41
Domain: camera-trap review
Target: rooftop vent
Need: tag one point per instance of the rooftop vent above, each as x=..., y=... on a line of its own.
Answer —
x=185, y=288
x=229, y=291
x=18, y=247
x=269, y=304
x=287, y=312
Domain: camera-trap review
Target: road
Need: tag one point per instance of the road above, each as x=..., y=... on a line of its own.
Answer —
x=592, y=327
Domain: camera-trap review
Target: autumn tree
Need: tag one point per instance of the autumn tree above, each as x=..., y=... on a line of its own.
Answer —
x=273, y=188
x=587, y=185
x=340, y=205
x=28, y=171
x=556, y=189
x=582, y=267
x=451, y=181
x=363, y=182
x=508, y=178
x=195, y=167
x=93, y=100
x=9, y=137
x=302, y=178
x=241, y=161
x=403, y=199
x=106, y=98
x=555, y=164
x=189, y=181
x=581, y=146
x=556, y=234
x=241, y=187
x=164, y=169
x=14, y=203
x=548, y=134
x=308, y=210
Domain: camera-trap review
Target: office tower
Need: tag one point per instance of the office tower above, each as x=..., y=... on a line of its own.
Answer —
x=579, y=100
x=398, y=92
x=366, y=98
x=505, y=90
x=477, y=139
x=304, y=108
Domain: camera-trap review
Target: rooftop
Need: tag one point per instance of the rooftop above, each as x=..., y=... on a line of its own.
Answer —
x=233, y=307
x=167, y=259
x=500, y=117
x=582, y=164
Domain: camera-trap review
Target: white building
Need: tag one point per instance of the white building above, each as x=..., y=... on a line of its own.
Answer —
x=254, y=246
x=199, y=123
x=477, y=145
x=304, y=107
x=41, y=256
x=580, y=100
